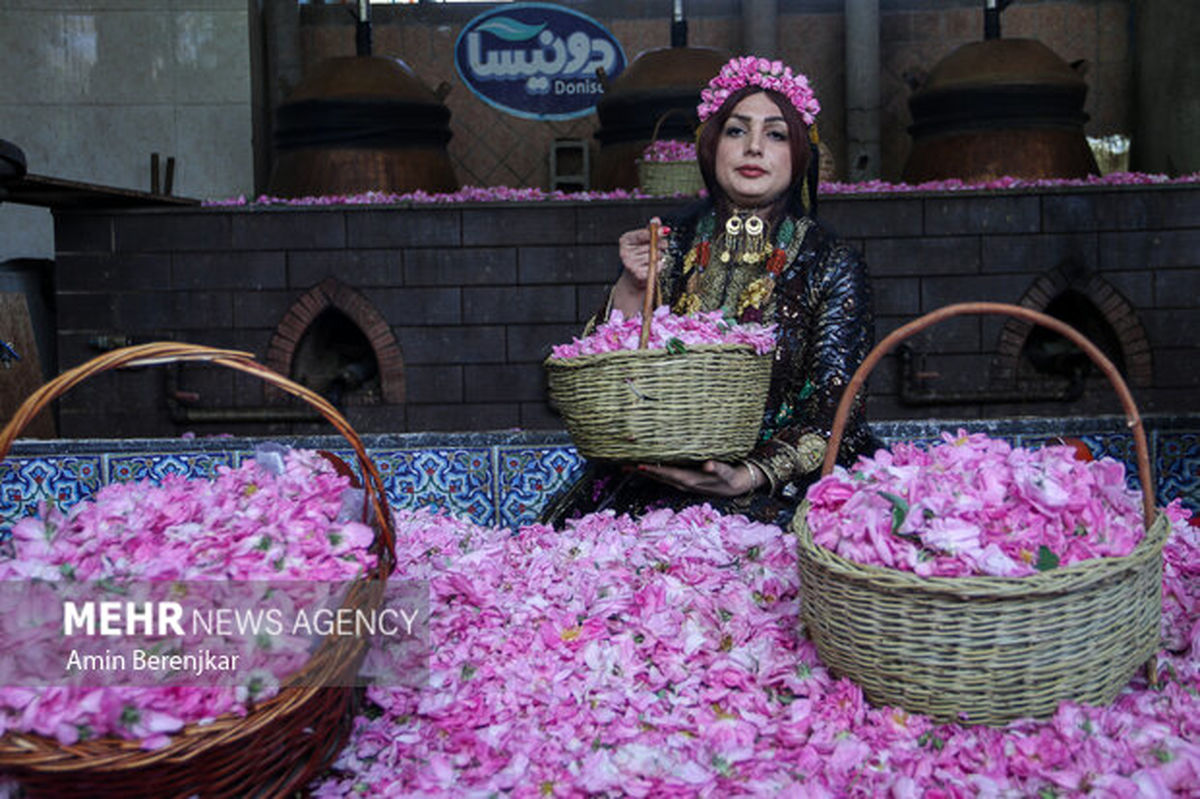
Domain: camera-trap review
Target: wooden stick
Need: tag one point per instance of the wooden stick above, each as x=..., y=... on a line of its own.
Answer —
x=651, y=284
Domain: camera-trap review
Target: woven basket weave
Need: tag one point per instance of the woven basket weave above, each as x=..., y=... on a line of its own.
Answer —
x=284, y=742
x=655, y=406
x=987, y=650
x=668, y=178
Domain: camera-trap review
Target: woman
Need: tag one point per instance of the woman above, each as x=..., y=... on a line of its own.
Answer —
x=754, y=250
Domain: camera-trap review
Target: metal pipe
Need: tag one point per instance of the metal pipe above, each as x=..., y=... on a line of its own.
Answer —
x=183, y=413
x=760, y=27
x=862, y=90
x=362, y=28
x=991, y=17
x=678, y=26
x=911, y=389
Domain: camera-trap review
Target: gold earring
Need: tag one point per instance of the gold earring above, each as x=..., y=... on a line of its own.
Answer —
x=733, y=235
x=753, y=252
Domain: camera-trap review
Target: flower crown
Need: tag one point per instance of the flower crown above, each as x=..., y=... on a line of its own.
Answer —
x=753, y=71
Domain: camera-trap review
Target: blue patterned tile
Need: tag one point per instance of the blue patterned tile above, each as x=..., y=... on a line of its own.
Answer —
x=60, y=480
x=1178, y=467
x=528, y=476
x=924, y=442
x=505, y=481
x=454, y=481
x=127, y=467
x=1119, y=447
x=1102, y=444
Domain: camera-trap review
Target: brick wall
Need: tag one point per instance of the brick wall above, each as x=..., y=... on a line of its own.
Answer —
x=473, y=296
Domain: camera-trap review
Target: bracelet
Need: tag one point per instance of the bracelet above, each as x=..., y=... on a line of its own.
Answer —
x=753, y=477
x=766, y=473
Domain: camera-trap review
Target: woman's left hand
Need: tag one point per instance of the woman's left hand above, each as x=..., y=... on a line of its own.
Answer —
x=713, y=477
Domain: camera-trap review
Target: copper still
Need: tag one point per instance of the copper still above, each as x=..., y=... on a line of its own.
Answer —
x=996, y=108
x=361, y=123
x=658, y=81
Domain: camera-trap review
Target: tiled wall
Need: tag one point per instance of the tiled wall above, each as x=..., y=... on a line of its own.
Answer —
x=476, y=294
x=504, y=479
x=93, y=87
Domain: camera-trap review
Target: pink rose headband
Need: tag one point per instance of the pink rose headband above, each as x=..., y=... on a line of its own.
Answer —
x=753, y=71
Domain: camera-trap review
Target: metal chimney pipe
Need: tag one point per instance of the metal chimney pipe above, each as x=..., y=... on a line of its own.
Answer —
x=678, y=26
x=362, y=28
x=760, y=27
x=991, y=17
x=862, y=90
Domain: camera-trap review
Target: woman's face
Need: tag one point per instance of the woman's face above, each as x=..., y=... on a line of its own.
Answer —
x=754, y=159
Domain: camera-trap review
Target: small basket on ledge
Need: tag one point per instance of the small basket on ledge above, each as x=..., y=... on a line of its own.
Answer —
x=667, y=167
x=986, y=649
x=660, y=406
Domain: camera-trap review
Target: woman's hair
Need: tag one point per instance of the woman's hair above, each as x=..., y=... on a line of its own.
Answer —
x=802, y=152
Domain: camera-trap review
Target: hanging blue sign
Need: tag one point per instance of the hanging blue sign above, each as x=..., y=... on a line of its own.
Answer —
x=536, y=60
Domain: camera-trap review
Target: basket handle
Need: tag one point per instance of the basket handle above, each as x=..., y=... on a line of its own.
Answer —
x=648, y=296
x=163, y=352
x=663, y=118
x=1133, y=419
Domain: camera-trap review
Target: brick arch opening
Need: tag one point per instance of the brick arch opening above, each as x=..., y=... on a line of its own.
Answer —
x=333, y=311
x=1090, y=304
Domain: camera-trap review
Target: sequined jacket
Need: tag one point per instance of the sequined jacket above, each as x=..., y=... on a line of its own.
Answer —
x=822, y=306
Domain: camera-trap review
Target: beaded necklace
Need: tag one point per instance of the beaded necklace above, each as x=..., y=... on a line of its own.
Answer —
x=788, y=236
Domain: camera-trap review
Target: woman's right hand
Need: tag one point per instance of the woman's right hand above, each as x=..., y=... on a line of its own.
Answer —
x=634, y=246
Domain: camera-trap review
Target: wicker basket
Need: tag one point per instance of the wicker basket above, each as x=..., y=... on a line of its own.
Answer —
x=282, y=743
x=654, y=406
x=659, y=406
x=987, y=650
x=668, y=178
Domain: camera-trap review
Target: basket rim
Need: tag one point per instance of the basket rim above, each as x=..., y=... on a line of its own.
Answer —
x=685, y=162
x=1055, y=581
x=651, y=354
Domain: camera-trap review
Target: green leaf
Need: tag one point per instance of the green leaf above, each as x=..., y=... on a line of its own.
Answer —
x=130, y=716
x=807, y=391
x=1046, y=560
x=899, y=509
x=676, y=346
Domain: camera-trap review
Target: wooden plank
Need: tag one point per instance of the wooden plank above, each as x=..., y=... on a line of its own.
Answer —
x=59, y=193
x=20, y=378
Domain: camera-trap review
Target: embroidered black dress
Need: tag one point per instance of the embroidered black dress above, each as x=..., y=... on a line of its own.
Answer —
x=821, y=301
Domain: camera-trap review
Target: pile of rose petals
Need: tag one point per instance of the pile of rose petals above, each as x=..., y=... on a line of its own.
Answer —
x=660, y=657
x=668, y=331
x=472, y=194
x=974, y=505
x=669, y=150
